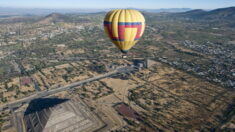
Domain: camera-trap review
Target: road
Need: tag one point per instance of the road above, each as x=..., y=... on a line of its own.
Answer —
x=44, y=93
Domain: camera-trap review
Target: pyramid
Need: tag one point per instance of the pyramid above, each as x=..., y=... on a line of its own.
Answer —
x=58, y=115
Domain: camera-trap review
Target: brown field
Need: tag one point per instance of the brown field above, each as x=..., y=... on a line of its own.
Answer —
x=179, y=101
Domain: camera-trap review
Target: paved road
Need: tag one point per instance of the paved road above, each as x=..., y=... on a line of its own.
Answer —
x=72, y=85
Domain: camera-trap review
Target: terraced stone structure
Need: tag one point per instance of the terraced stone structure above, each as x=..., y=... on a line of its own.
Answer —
x=59, y=115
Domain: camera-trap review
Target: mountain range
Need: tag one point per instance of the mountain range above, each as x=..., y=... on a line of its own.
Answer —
x=222, y=13
x=4, y=11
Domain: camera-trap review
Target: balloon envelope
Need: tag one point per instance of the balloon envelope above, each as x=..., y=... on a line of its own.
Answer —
x=124, y=27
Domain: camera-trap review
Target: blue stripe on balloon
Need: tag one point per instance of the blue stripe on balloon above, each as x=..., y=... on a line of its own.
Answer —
x=129, y=23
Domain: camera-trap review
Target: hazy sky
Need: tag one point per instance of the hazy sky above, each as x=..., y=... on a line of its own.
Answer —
x=150, y=4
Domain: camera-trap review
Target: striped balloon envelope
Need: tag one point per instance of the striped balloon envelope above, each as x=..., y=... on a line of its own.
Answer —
x=124, y=27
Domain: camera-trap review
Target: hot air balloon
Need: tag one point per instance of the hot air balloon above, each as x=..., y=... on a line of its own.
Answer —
x=124, y=27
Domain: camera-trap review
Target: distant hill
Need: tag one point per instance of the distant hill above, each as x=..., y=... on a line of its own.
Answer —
x=57, y=17
x=53, y=18
x=193, y=12
x=222, y=13
x=167, y=10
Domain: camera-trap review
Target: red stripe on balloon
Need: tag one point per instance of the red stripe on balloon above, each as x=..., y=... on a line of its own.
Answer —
x=139, y=28
x=121, y=31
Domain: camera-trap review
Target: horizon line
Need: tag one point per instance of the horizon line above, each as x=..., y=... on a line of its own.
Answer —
x=67, y=8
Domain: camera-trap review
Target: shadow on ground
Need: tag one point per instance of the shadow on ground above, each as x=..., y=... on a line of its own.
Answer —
x=43, y=103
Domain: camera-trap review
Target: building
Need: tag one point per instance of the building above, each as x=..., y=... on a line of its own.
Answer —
x=57, y=115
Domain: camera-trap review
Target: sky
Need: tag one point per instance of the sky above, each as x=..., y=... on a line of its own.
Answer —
x=99, y=4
